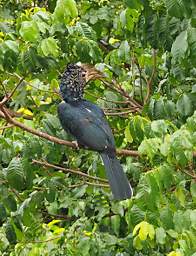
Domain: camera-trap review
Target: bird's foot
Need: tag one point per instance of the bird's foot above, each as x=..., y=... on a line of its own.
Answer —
x=76, y=144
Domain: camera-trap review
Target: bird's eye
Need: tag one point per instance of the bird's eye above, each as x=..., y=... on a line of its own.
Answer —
x=83, y=74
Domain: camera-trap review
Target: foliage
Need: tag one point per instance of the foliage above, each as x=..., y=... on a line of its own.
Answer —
x=149, y=48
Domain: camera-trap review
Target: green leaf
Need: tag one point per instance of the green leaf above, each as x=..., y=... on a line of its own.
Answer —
x=180, y=46
x=115, y=222
x=184, y=105
x=193, y=217
x=10, y=203
x=15, y=174
x=64, y=11
x=134, y=4
x=139, y=128
x=12, y=45
x=85, y=30
x=173, y=253
x=181, y=147
x=193, y=190
x=180, y=195
x=166, y=217
x=145, y=229
x=10, y=233
x=3, y=213
x=124, y=51
x=150, y=147
x=159, y=127
x=128, y=136
x=175, y=8
x=137, y=243
x=160, y=235
x=88, y=50
x=49, y=47
x=29, y=31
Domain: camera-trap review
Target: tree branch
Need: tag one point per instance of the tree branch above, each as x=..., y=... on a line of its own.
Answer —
x=116, y=87
x=9, y=95
x=149, y=82
x=6, y=116
x=51, y=138
x=6, y=127
x=120, y=113
x=112, y=101
x=48, y=165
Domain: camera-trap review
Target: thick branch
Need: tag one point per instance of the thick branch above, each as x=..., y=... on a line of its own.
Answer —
x=52, y=138
x=120, y=152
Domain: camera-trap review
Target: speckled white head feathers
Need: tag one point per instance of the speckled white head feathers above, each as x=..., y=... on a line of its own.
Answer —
x=72, y=83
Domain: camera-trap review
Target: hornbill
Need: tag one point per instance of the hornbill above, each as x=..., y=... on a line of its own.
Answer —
x=86, y=122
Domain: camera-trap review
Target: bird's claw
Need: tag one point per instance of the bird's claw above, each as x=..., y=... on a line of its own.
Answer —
x=75, y=144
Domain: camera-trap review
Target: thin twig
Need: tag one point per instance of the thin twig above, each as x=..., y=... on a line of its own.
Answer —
x=190, y=174
x=9, y=95
x=4, y=88
x=97, y=184
x=116, y=87
x=28, y=83
x=39, y=242
x=16, y=194
x=61, y=216
x=140, y=78
x=149, y=82
x=112, y=101
x=6, y=126
x=46, y=164
x=119, y=109
x=77, y=185
x=127, y=152
x=15, y=114
x=16, y=87
x=120, y=113
x=89, y=183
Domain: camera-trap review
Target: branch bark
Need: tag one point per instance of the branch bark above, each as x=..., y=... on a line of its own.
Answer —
x=51, y=138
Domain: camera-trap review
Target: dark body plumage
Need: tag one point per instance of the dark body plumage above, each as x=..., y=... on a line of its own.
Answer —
x=87, y=123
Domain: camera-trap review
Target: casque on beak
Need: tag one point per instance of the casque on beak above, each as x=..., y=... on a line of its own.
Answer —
x=91, y=72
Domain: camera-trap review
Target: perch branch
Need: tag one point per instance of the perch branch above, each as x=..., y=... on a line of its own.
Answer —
x=51, y=138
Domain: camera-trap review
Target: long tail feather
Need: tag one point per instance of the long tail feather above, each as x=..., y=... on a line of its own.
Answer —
x=120, y=186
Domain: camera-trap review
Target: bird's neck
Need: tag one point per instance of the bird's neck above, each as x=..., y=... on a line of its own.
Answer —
x=71, y=94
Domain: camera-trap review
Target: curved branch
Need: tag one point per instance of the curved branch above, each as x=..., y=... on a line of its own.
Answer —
x=51, y=138
x=10, y=120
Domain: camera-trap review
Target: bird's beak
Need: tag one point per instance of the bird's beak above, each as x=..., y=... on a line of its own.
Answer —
x=91, y=72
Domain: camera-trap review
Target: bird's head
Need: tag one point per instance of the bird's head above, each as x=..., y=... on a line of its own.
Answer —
x=74, y=79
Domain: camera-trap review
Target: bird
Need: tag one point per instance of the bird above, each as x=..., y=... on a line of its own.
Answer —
x=87, y=123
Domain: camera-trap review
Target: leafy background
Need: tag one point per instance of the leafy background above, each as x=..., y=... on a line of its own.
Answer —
x=147, y=51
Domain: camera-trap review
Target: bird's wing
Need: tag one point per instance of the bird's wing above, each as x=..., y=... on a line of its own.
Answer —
x=99, y=115
x=89, y=130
